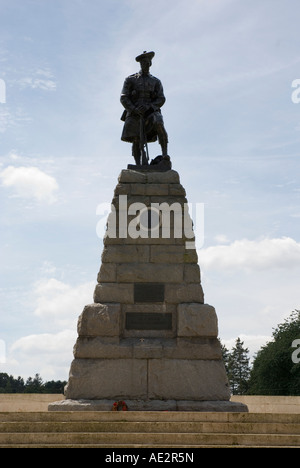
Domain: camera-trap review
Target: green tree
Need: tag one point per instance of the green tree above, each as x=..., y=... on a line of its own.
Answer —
x=10, y=385
x=54, y=386
x=225, y=356
x=4, y=382
x=238, y=368
x=18, y=385
x=273, y=371
x=34, y=385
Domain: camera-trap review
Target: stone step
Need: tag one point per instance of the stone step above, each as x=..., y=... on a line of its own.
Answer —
x=151, y=439
x=149, y=427
x=148, y=430
x=148, y=416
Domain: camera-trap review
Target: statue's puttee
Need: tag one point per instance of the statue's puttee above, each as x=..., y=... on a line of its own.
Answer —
x=143, y=96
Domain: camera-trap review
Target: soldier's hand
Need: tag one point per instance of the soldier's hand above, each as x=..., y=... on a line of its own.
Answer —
x=141, y=110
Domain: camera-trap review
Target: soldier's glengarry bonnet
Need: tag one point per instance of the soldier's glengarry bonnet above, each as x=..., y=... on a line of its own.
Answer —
x=145, y=54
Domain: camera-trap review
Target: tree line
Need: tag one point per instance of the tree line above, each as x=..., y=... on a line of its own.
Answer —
x=274, y=371
x=276, y=367
x=8, y=384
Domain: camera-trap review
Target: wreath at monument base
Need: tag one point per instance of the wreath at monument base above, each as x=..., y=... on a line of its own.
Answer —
x=119, y=404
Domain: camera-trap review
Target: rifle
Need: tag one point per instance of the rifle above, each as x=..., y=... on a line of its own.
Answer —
x=143, y=143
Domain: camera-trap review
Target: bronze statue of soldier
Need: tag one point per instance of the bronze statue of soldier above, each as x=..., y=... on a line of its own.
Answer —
x=143, y=96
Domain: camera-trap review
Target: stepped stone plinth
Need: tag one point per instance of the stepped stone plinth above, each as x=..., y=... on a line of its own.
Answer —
x=148, y=339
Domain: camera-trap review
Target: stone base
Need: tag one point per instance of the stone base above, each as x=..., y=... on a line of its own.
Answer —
x=150, y=405
x=147, y=380
x=148, y=339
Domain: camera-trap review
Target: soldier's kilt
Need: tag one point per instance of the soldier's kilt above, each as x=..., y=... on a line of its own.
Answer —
x=131, y=129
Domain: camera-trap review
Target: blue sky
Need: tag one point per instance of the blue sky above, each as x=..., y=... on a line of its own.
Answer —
x=227, y=67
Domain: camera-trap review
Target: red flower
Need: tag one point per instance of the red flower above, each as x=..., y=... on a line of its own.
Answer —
x=119, y=404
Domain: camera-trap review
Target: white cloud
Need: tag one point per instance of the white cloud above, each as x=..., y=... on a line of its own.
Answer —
x=45, y=343
x=58, y=306
x=38, y=83
x=6, y=119
x=30, y=182
x=252, y=342
x=221, y=239
x=252, y=255
x=253, y=286
x=2, y=352
x=12, y=117
x=40, y=79
x=47, y=354
x=2, y=91
x=59, y=303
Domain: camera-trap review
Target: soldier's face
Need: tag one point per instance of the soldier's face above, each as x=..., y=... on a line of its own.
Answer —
x=145, y=65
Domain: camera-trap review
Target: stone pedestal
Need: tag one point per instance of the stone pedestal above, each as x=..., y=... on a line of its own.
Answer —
x=148, y=339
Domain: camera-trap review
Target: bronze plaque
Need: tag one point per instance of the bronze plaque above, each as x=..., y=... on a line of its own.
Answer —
x=148, y=321
x=149, y=292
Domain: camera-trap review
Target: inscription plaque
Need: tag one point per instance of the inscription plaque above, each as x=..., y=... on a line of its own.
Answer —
x=149, y=292
x=148, y=321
